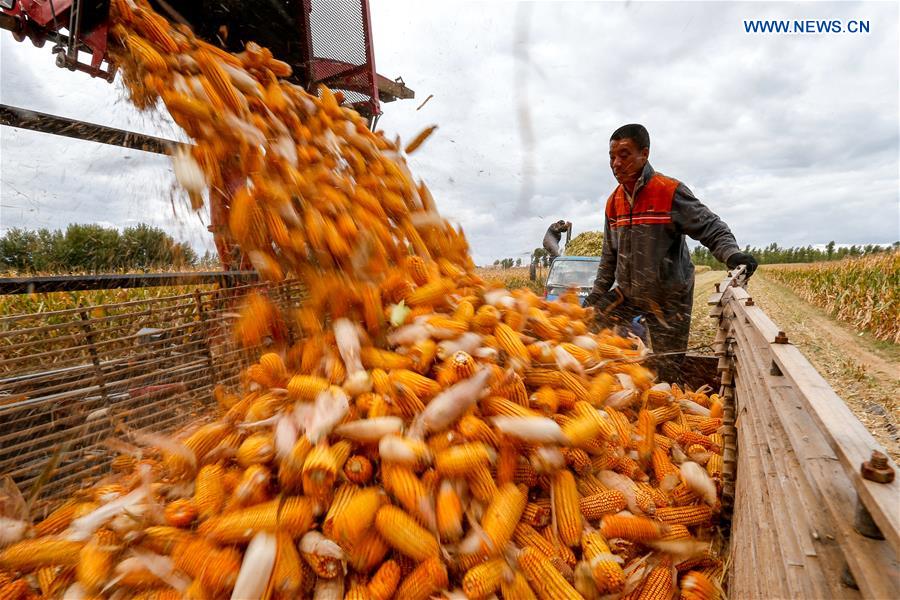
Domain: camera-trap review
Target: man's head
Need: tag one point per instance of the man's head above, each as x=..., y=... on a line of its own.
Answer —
x=629, y=149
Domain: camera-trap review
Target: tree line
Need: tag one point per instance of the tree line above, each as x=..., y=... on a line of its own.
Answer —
x=507, y=263
x=94, y=249
x=774, y=254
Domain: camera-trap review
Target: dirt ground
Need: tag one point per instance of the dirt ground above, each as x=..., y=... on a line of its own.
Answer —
x=864, y=372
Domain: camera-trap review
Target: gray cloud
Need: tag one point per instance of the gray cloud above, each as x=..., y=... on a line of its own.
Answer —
x=791, y=139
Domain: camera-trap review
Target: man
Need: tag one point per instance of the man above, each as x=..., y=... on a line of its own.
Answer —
x=645, y=267
x=553, y=236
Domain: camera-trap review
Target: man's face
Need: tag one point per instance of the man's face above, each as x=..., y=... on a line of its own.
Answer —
x=627, y=160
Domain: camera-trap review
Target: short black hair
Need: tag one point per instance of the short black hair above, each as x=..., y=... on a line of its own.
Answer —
x=633, y=131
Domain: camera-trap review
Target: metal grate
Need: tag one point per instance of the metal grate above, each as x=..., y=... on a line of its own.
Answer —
x=342, y=56
x=72, y=379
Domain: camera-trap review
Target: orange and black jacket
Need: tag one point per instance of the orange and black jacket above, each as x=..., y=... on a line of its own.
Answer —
x=644, y=250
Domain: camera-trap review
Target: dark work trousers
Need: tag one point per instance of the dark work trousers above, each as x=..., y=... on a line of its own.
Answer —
x=669, y=332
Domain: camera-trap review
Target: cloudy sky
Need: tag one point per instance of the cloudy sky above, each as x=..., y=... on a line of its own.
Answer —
x=790, y=138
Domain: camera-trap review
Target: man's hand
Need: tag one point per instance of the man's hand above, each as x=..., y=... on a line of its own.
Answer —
x=604, y=303
x=742, y=258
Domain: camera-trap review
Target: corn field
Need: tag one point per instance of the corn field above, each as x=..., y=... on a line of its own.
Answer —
x=863, y=292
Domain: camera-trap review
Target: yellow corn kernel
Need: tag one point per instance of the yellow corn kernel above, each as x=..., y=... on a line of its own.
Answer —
x=593, y=507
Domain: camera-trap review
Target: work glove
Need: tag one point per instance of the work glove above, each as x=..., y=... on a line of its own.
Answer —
x=742, y=258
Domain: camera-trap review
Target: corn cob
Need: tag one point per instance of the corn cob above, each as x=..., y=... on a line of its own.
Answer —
x=257, y=449
x=421, y=386
x=368, y=553
x=637, y=529
x=481, y=483
x=593, y=507
x=536, y=515
x=483, y=580
x=566, y=557
x=546, y=581
x=685, y=515
x=517, y=587
x=15, y=590
x=501, y=517
x=458, y=461
x=319, y=472
x=526, y=535
x=511, y=344
x=163, y=539
x=216, y=568
x=402, y=533
x=566, y=507
x=358, y=515
x=209, y=492
x=402, y=483
x=449, y=513
x=473, y=429
x=292, y=515
x=358, y=469
x=659, y=584
x=95, y=561
x=288, y=574
x=28, y=555
x=290, y=472
x=425, y=580
x=714, y=466
x=607, y=572
x=695, y=585
x=385, y=581
x=374, y=358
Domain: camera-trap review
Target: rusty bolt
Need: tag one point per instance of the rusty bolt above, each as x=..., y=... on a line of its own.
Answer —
x=877, y=468
x=749, y=302
x=781, y=338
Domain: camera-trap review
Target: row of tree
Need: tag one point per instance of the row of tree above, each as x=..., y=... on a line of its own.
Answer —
x=93, y=249
x=774, y=254
x=507, y=263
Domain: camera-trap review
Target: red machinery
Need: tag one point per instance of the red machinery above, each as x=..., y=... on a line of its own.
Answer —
x=325, y=41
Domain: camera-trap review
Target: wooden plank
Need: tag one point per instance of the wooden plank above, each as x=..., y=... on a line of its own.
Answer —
x=808, y=521
x=847, y=436
x=874, y=563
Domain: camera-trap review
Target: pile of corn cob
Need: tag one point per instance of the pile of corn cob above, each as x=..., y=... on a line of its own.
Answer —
x=427, y=436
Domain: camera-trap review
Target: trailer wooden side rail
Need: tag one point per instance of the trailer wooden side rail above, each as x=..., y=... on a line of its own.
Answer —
x=806, y=523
